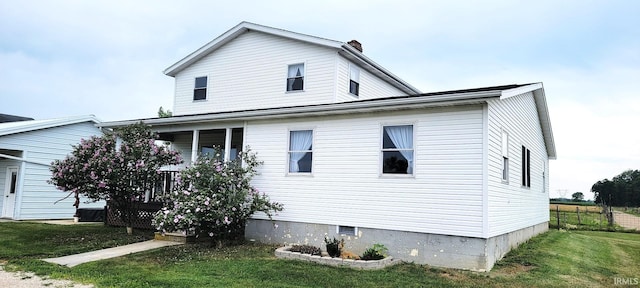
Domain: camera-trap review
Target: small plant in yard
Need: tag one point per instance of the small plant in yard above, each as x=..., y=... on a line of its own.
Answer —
x=305, y=249
x=377, y=252
x=333, y=247
x=214, y=198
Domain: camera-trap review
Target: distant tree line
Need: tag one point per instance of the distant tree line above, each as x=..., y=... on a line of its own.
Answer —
x=622, y=190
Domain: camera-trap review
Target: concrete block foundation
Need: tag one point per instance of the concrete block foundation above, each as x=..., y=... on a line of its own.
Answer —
x=477, y=254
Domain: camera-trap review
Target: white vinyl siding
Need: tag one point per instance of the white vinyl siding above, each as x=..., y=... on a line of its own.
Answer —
x=370, y=86
x=443, y=197
x=37, y=197
x=249, y=73
x=512, y=206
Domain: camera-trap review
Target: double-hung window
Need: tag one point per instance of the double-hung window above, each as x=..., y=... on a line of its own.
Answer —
x=295, y=77
x=200, y=89
x=526, y=167
x=354, y=80
x=397, y=149
x=300, y=151
x=505, y=156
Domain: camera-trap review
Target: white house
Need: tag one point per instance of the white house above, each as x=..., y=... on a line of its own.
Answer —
x=27, y=149
x=451, y=179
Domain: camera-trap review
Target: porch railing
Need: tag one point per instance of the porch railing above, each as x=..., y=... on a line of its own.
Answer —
x=145, y=208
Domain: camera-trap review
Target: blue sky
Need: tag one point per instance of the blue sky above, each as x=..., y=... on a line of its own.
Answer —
x=64, y=58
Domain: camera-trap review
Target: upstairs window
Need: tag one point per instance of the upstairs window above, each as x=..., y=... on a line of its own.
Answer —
x=526, y=167
x=200, y=89
x=300, y=151
x=295, y=77
x=505, y=156
x=354, y=80
x=397, y=149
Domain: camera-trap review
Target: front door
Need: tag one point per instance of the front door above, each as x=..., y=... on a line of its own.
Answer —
x=11, y=185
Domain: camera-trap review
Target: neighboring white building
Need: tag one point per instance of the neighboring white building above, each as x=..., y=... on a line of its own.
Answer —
x=27, y=149
x=452, y=179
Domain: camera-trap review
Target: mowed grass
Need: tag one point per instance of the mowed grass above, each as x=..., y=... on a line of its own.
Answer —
x=554, y=259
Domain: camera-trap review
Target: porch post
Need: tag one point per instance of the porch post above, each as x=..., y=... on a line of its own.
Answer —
x=194, y=145
x=227, y=145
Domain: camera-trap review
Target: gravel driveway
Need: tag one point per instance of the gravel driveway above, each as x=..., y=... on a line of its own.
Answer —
x=626, y=220
x=30, y=280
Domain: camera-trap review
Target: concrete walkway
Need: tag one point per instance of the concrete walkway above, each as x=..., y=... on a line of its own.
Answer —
x=77, y=259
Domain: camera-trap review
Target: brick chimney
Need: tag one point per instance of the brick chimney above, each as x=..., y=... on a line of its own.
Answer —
x=355, y=44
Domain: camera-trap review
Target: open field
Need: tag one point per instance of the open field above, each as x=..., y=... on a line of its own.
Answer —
x=572, y=208
x=556, y=258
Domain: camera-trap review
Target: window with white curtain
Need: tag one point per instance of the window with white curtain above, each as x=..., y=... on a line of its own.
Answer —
x=295, y=77
x=354, y=80
x=397, y=149
x=300, y=151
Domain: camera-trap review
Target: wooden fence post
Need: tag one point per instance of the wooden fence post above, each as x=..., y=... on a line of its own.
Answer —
x=601, y=220
x=558, y=215
x=578, y=212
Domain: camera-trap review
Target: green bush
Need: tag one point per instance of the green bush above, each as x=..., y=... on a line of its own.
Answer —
x=377, y=252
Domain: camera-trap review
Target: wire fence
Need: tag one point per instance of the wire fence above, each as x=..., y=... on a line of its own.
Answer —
x=597, y=218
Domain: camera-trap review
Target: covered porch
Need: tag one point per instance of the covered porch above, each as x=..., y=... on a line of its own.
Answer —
x=223, y=142
x=219, y=141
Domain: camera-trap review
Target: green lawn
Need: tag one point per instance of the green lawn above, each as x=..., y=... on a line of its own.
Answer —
x=556, y=258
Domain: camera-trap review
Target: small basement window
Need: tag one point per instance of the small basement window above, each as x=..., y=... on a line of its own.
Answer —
x=347, y=230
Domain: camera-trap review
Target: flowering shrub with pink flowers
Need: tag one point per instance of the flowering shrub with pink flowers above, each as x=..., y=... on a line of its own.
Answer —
x=215, y=198
x=101, y=170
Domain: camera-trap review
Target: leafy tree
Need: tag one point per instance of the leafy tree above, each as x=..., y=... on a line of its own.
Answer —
x=164, y=113
x=622, y=190
x=102, y=168
x=214, y=199
x=578, y=196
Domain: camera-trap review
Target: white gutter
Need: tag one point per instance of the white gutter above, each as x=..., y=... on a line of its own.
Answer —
x=398, y=103
x=23, y=160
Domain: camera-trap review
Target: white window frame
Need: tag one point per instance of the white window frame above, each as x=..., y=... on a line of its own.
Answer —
x=505, y=156
x=304, y=77
x=313, y=135
x=381, y=144
x=206, y=89
x=353, y=68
